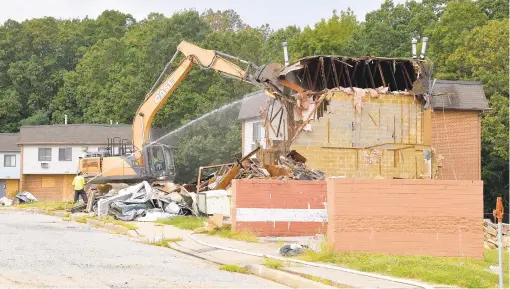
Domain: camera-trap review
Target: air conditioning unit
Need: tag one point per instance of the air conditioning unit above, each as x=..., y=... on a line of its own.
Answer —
x=45, y=165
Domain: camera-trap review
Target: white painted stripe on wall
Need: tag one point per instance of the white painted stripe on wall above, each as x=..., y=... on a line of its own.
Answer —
x=281, y=215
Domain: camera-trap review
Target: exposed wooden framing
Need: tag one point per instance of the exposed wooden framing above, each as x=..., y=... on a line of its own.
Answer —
x=323, y=74
x=407, y=75
x=279, y=124
x=348, y=76
x=273, y=116
x=353, y=77
x=379, y=116
x=380, y=162
x=381, y=73
x=370, y=74
x=403, y=74
x=317, y=104
x=292, y=85
x=316, y=77
x=363, y=75
x=393, y=77
x=336, y=78
x=395, y=158
x=272, y=107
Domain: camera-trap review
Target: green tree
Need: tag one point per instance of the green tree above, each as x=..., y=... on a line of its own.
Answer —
x=483, y=55
x=459, y=18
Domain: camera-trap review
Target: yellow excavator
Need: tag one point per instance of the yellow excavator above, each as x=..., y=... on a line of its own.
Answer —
x=141, y=160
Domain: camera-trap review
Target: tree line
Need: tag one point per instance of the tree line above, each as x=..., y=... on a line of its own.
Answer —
x=97, y=70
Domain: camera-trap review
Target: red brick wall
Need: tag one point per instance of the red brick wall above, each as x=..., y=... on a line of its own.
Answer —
x=456, y=135
x=279, y=207
x=406, y=217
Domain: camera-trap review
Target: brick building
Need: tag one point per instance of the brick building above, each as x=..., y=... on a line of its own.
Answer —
x=456, y=127
x=390, y=138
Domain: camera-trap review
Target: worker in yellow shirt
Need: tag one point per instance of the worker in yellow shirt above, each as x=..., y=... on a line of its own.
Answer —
x=79, y=188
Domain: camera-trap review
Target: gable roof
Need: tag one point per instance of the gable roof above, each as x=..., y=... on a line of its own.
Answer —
x=459, y=95
x=9, y=142
x=252, y=104
x=73, y=133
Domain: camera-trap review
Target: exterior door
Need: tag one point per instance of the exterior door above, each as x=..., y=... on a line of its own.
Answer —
x=2, y=188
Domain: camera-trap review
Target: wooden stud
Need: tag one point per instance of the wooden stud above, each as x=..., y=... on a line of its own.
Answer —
x=401, y=121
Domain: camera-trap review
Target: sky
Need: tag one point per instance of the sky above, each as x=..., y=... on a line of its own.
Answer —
x=277, y=13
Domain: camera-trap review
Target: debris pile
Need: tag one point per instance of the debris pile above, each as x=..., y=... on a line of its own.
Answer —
x=491, y=235
x=4, y=201
x=140, y=202
x=290, y=167
x=26, y=197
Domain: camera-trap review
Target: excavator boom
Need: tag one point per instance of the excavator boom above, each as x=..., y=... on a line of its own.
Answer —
x=155, y=161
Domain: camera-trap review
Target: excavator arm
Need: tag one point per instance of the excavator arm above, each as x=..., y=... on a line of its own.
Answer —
x=157, y=97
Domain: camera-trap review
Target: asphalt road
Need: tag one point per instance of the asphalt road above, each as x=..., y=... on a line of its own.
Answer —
x=43, y=251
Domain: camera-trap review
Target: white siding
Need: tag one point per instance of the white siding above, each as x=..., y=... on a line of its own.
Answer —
x=248, y=135
x=32, y=165
x=9, y=172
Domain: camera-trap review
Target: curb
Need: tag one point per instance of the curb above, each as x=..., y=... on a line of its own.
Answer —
x=278, y=276
x=285, y=278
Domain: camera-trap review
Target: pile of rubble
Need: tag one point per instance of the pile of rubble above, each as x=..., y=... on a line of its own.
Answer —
x=290, y=167
x=208, y=196
x=491, y=235
x=140, y=202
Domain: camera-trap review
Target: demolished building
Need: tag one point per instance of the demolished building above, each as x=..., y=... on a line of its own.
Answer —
x=367, y=117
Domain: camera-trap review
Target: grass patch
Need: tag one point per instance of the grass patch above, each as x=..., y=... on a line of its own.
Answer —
x=127, y=225
x=183, y=222
x=462, y=272
x=273, y=263
x=226, y=232
x=164, y=242
x=81, y=220
x=319, y=280
x=235, y=268
x=48, y=206
x=67, y=219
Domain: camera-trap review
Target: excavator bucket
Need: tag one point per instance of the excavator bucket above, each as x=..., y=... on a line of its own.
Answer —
x=269, y=73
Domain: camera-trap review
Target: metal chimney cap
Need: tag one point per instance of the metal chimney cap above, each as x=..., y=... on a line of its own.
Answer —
x=425, y=39
x=284, y=44
x=414, y=41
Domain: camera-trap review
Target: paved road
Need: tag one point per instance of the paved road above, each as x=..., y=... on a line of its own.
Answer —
x=44, y=251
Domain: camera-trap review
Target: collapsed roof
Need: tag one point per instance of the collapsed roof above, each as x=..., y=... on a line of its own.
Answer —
x=317, y=73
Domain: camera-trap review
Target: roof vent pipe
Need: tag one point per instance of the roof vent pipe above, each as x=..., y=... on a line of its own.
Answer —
x=285, y=53
x=424, y=47
x=414, y=42
x=65, y=118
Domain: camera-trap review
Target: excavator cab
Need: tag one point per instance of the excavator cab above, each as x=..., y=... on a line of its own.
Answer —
x=160, y=162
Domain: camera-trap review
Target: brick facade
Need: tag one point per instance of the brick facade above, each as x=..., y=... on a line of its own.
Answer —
x=406, y=217
x=279, y=207
x=456, y=135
